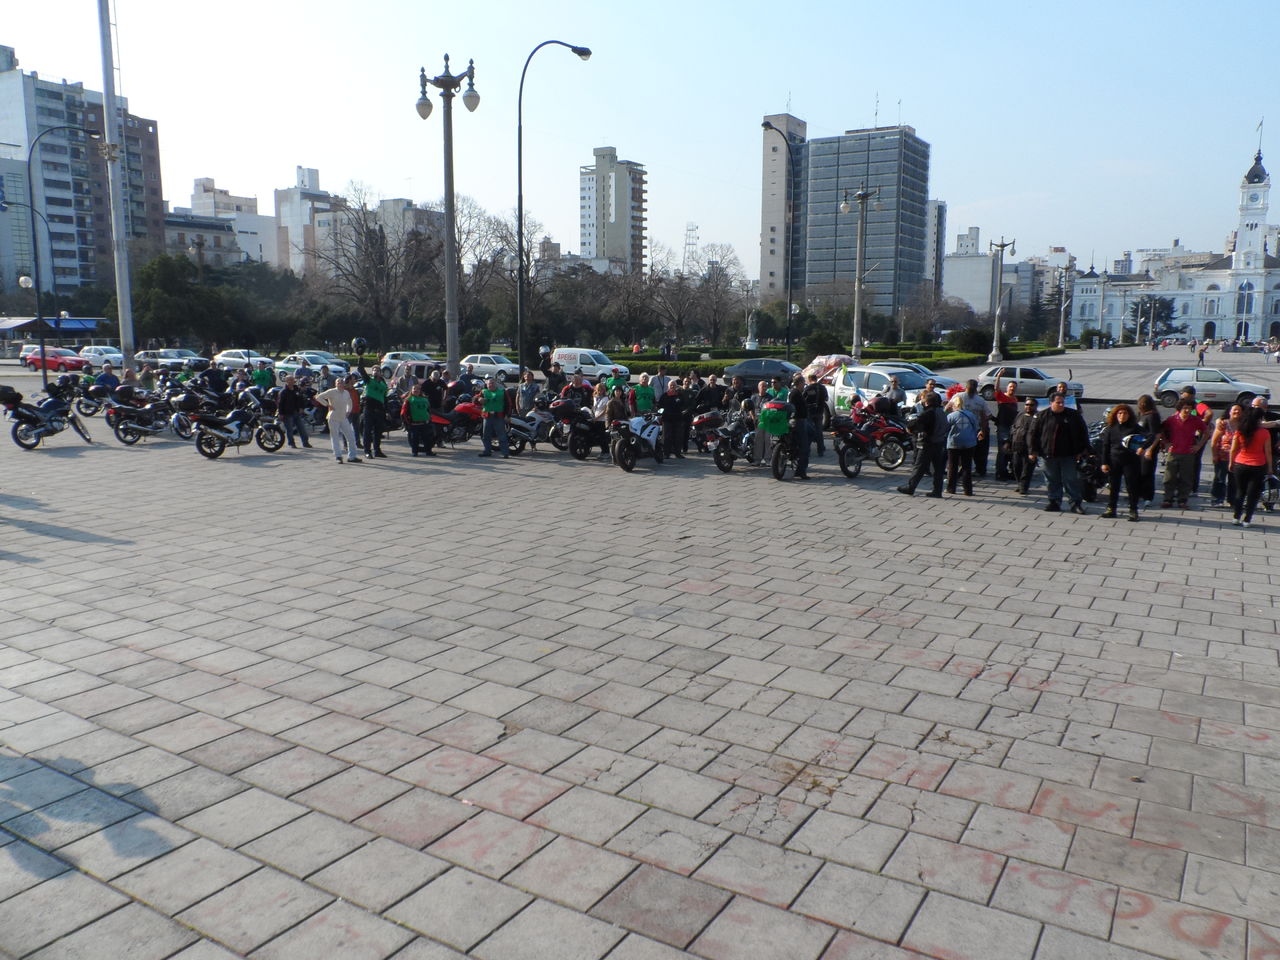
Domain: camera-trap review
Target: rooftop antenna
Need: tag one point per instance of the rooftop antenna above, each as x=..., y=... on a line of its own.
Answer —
x=876, y=117
x=788, y=101
x=1261, y=120
x=899, y=111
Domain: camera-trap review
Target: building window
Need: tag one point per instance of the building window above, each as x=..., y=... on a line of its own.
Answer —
x=1244, y=298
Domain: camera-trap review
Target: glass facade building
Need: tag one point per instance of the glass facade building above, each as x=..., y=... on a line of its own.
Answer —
x=891, y=162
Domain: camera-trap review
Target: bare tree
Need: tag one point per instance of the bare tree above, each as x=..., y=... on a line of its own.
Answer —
x=371, y=263
x=722, y=288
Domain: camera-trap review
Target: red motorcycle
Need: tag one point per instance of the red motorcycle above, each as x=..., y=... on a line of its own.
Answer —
x=460, y=424
x=865, y=435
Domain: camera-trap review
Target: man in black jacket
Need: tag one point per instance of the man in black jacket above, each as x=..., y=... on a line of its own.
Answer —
x=932, y=427
x=556, y=379
x=672, y=406
x=803, y=427
x=1024, y=465
x=815, y=397
x=1060, y=435
x=291, y=403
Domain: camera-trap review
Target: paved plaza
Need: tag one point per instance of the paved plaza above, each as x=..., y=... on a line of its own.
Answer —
x=539, y=709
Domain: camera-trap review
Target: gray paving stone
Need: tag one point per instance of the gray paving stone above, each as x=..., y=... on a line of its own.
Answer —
x=132, y=931
x=459, y=908
x=570, y=872
x=339, y=930
x=662, y=906
x=251, y=911
x=857, y=900
x=378, y=874
x=47, y=911
x=190, y=873
x=746, y=929
x=545, y=931
x=243, y=817
x=967, y=929
x=307, y=844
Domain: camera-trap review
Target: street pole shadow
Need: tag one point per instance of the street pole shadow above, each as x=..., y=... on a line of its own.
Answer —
x=19, y=502
x=54, y=531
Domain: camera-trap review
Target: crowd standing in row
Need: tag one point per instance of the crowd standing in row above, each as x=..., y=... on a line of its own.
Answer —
x=954, y=432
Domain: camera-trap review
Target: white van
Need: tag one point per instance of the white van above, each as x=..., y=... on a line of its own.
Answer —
x=592, y=363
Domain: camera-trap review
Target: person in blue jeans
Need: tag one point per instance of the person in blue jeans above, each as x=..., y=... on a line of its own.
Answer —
x=1059, y=437
x=962, y=440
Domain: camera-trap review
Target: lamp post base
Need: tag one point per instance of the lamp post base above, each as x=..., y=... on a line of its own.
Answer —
x=994, y=357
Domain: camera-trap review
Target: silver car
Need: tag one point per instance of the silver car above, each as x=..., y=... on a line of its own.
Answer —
x=1032, y=382
x=1212, y=386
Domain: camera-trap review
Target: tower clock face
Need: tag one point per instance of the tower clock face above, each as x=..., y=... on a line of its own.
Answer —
x=1253, y=198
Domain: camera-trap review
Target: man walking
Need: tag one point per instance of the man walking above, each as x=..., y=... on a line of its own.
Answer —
x=1060, y=435
x=339, y=400
x=496, y=405
x=1024, y=465
x=290, y=406
x=375, y=413
x=932, y=427
x=1184, y=436
x=1006, y=413
x=815, y=397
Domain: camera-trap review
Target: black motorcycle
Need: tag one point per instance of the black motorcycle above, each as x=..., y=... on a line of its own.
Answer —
x=34, y=422
x=734, y=441
x=138, y=415
x=253, y=420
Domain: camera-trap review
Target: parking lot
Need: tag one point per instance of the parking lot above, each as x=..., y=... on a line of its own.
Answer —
x=542, y=708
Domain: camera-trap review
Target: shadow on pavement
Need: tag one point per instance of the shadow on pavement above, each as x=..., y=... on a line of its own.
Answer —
x=54, y=531
x=42, y=804
x=19, y=502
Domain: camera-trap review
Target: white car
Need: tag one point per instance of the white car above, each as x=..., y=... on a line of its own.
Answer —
x=1032, y=382
x=491, y=365
x=98, y=355
x=315, y=360
x=238, y=359
x=391, y=360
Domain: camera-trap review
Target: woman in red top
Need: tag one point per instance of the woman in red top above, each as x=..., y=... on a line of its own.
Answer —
x=1224, y=431
x=1251, y=460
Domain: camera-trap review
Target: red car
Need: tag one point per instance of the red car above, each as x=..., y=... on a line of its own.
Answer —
x=55, y=358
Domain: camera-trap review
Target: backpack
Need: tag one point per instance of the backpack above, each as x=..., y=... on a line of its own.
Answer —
x=962, y=432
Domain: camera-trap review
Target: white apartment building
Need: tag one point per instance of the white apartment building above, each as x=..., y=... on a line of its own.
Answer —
x=612, y=210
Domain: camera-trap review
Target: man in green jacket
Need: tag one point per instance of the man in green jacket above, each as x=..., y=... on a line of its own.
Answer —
x=497, y=413
x=417, y=420
x=263, y=377
x=375, y=413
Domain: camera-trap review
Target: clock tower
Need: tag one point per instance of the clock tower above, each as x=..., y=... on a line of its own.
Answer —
x=1251, y=232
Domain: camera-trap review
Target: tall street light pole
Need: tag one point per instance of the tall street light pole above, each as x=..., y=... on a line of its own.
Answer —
x=35, y=242
x=996, y=356
x=1063, y=302
x=860, y=197
x=448, y=84
x=786, y=240
x=521, y=272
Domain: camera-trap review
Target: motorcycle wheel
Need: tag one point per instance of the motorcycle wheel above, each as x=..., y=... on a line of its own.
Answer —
x=25, y=436
x=724, y=460
x=127, y=434
x=458, y=435
x=850, y=462
x=659, y=454
x=627, y=457
x=780, y=461
x=558, y=441
x=517, y=446
x=182, y=428
x=87, y=408
x=579, y=448
x=270, y=438
x=79, y=428
x=892, y=454
x=209, y=445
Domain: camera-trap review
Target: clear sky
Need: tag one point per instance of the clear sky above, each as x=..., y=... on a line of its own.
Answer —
x=1094, y=125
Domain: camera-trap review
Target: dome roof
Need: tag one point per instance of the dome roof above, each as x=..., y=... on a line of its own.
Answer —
x=1257, y=173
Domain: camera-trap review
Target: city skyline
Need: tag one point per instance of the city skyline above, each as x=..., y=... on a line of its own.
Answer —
x=1076, y=132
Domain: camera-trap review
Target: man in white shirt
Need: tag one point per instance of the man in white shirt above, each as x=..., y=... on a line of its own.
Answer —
x=338, y=401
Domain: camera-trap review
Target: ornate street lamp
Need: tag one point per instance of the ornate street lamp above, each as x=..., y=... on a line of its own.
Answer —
x=996, y=356
x=860, y=197
x=448, y=84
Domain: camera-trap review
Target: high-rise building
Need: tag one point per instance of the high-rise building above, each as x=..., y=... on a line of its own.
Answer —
x=255, y=233
x=301, y=211
x=892, y=163
x=70, y=180
x=935, y=243
x=611, y=210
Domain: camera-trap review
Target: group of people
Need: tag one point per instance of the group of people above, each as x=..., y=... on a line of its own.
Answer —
x=955, y=438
